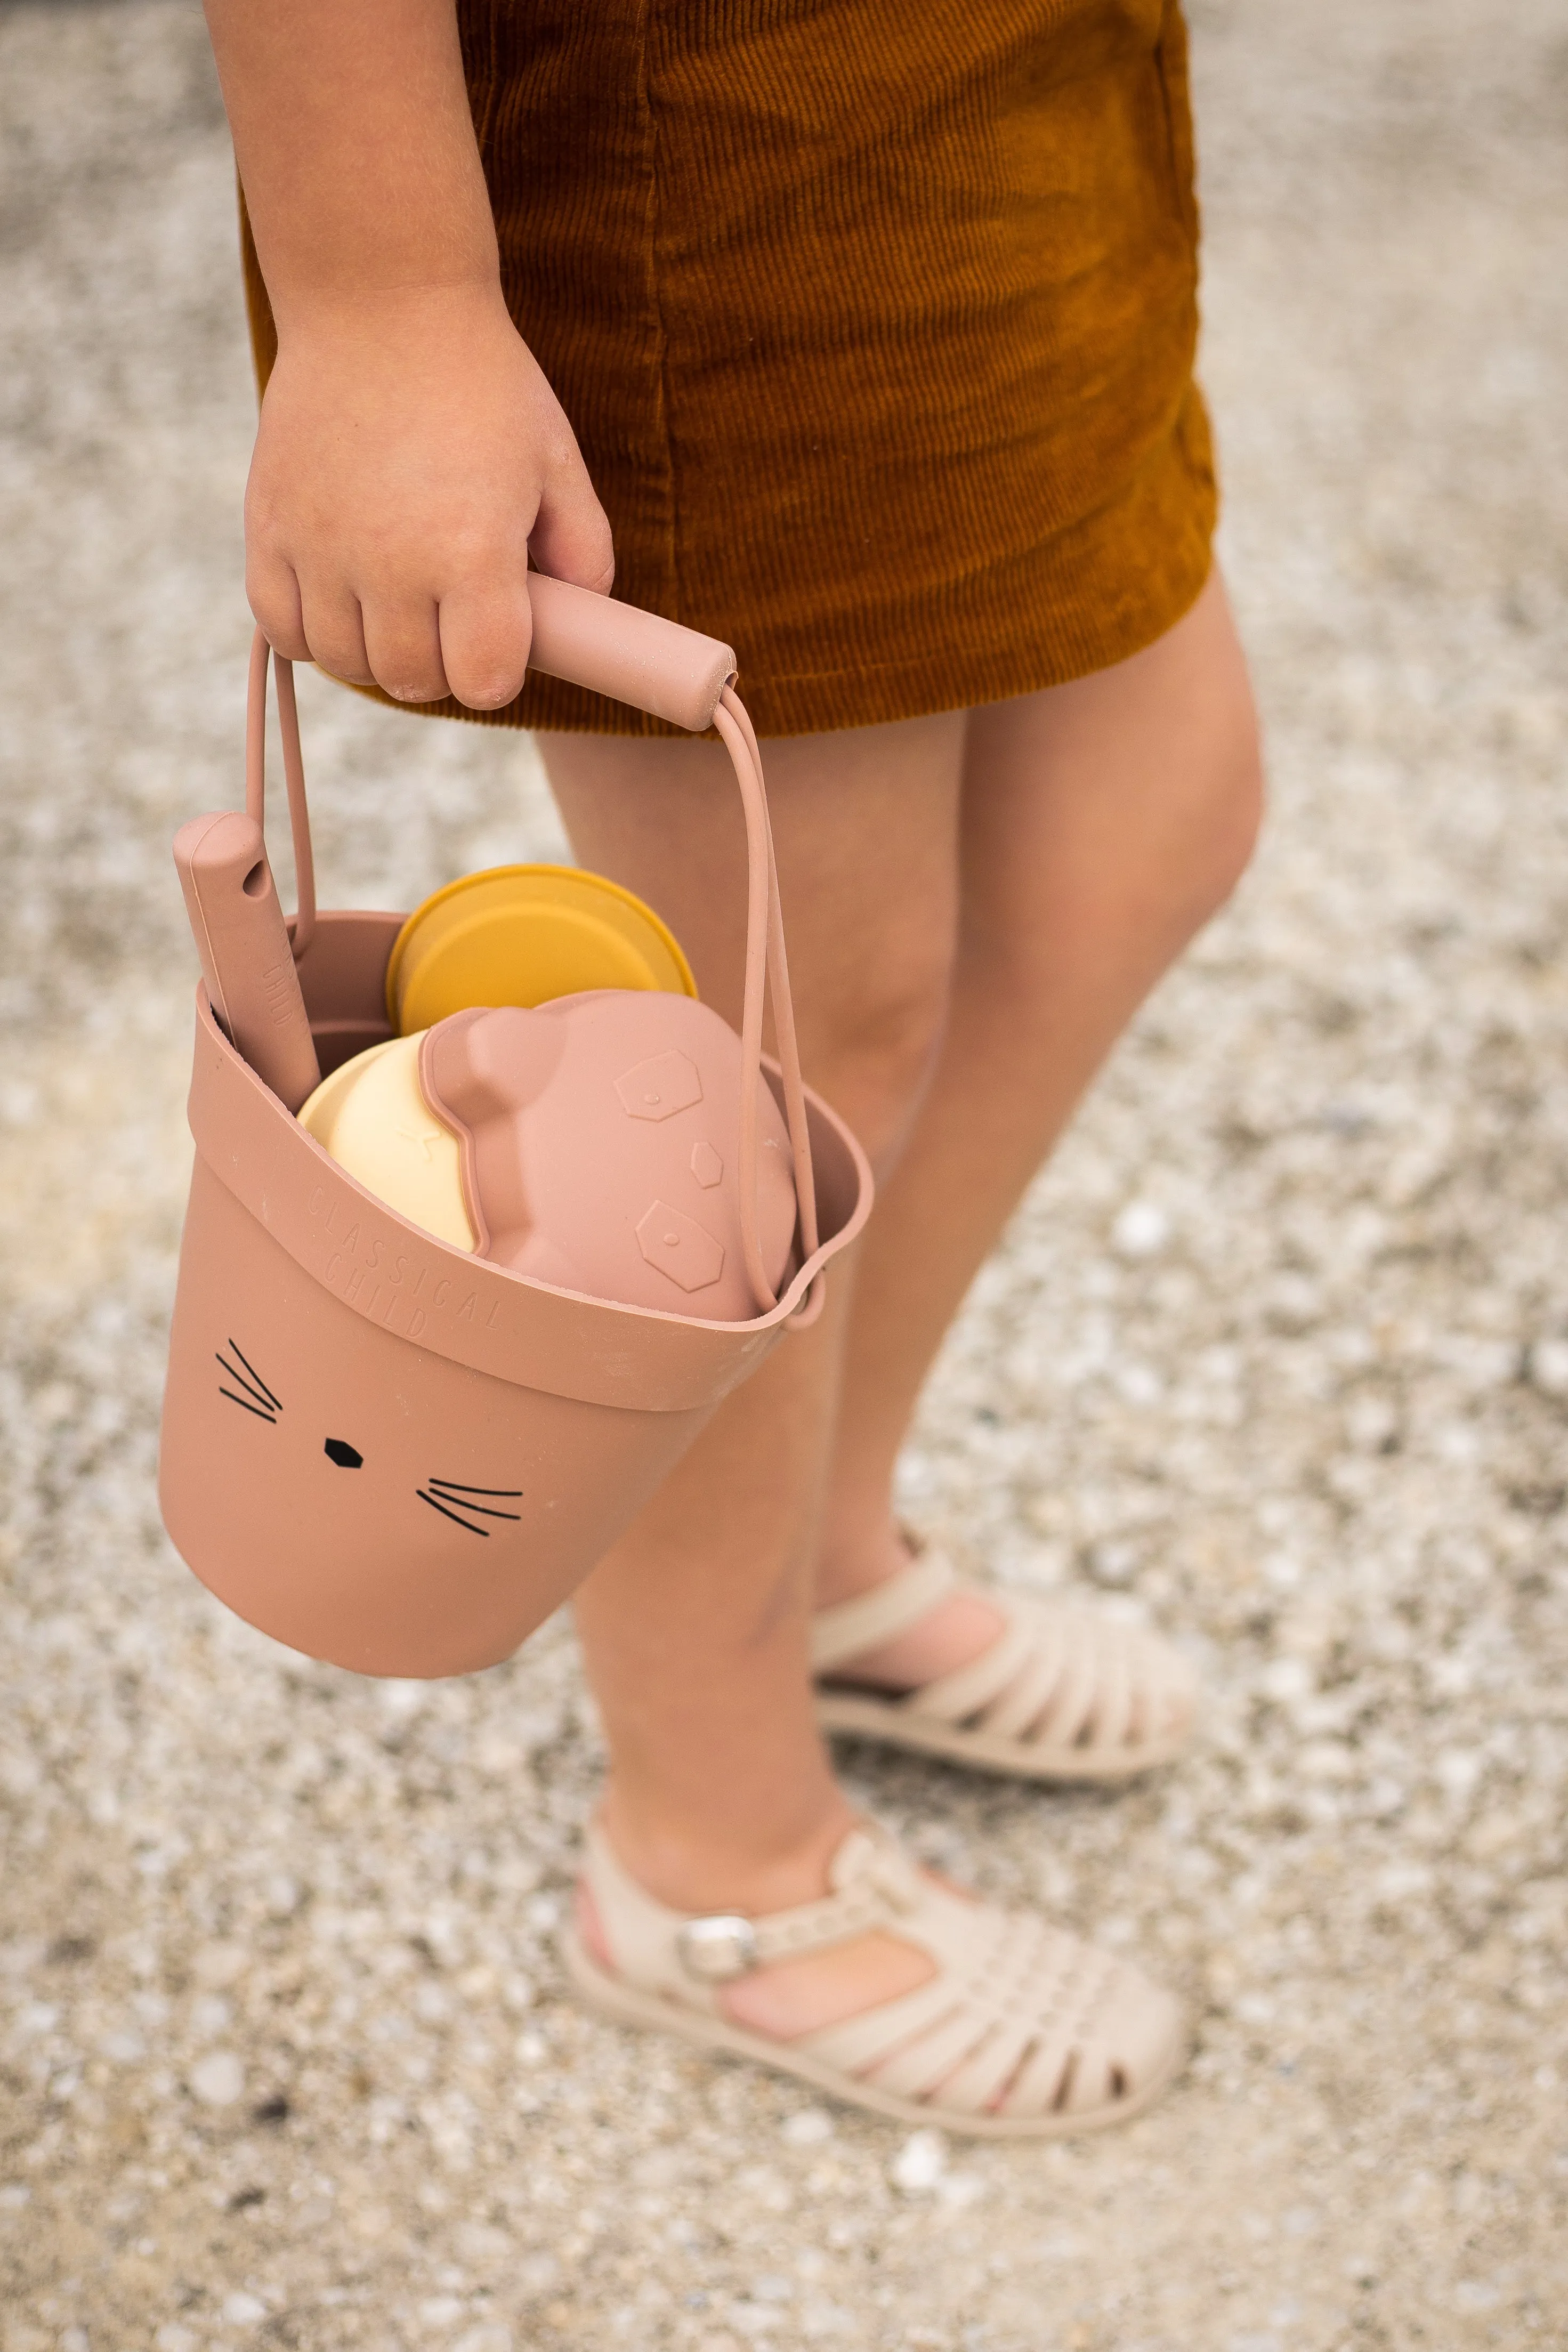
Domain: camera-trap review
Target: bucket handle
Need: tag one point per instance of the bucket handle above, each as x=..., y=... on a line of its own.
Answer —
x=304, y=924
x=768, y=969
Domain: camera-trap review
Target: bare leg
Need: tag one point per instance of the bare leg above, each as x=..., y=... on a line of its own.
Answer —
x=694, y=1628
x=1102, y=823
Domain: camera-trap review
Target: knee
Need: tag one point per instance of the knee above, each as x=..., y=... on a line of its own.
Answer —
x=871, y=1049
x=1189, y=833
x=1127, y=867
x=1198, y=736
x=1225, y=815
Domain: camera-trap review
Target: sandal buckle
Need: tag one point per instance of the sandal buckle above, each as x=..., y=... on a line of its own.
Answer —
x=721, y=1945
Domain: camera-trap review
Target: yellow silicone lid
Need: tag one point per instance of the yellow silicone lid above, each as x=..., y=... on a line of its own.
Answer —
x=522, y=934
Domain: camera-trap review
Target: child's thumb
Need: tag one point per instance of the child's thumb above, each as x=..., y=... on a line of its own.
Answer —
x=570, y=535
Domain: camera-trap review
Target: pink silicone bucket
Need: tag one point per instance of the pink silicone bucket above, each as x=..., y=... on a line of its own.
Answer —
x=378, y=1449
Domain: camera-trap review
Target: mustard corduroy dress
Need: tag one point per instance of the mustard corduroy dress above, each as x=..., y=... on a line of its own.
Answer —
x=875, y=322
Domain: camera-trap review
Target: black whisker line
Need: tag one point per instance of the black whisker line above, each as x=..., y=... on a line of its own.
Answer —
x=446, y=1514
x=244, y=1383
x=455, y=1486
x=259, y=1411
x=256, y=1376
x=482, y=1509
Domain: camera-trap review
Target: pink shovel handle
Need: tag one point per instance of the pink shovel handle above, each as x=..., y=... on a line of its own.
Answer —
x=687, y=678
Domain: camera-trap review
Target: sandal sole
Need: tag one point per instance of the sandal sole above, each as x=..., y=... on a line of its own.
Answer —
x=622, y=2005
x=851, y=1716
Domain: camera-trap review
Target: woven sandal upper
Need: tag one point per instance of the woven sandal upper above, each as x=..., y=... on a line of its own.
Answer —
x=1019, y=2017
x=1057, y=1676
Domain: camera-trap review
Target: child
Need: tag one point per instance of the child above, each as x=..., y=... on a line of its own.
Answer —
x=875, y=325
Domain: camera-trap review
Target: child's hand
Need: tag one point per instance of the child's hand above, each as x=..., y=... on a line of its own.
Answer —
x=410, y=455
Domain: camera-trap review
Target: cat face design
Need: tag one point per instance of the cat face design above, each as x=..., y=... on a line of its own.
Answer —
x=465, y=1503
x=366, y=1501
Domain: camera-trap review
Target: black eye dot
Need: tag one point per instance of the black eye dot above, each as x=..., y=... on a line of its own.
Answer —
x=346, y=1457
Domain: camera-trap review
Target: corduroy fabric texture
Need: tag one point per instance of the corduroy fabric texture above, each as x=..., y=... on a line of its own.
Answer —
x=875, y=323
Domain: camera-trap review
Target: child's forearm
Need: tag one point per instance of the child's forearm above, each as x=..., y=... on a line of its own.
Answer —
x=356, y=152
x=411, y=456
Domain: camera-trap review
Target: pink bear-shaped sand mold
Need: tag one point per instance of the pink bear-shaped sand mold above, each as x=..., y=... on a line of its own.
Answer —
x=600, y=1157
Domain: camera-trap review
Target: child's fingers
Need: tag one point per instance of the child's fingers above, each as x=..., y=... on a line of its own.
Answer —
x=570, y=535
x=334, y=632
x=273, y=594
x=486, y=631
x=403, y=647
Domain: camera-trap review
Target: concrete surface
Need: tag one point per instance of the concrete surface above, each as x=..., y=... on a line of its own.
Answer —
x=1278, y=1351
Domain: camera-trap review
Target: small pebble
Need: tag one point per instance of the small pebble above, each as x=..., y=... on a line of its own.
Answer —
x=1548, y=1366
x=807, y=2127
x=1141, y=1230
x=919, y=2163
x=218, y=2079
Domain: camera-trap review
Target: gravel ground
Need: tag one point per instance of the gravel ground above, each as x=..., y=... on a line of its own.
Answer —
x=1278, y=1353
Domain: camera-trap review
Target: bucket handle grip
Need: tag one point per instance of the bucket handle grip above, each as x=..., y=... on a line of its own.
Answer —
x=692, y=690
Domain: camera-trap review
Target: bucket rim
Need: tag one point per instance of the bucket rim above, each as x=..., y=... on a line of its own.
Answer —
x=512, y=1326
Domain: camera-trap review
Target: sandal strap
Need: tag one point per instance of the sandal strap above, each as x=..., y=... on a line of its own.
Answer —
x=1057, y=1676
x=874, y=1884
x=871, y=1618
x=967, y=1689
